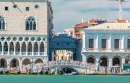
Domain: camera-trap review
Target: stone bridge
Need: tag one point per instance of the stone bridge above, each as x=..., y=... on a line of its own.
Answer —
x=79, y=67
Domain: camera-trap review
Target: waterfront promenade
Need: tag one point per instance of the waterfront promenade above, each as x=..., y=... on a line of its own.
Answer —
x=63, y=67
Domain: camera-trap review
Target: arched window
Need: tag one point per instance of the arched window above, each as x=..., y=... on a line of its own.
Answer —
x=2, y=63
x=90, y=60
x=30, y=24
x=14, y=63
x=2, y=23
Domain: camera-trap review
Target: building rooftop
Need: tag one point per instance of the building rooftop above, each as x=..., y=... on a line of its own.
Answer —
x=122, y=21
x=110, y=26
x=83, y=25
x=23, y=0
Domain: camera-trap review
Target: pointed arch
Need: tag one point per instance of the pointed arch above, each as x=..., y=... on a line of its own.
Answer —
x=30, y=48
x=11, y=47
x=42, y=47
x=2, y=23
x=3, y=63
x=30, y=23
x=5, y=47
x=23, y=47
x=26, y=61
x=17, y=47
x=14, y=62
x=39, y=61
x=36, y=47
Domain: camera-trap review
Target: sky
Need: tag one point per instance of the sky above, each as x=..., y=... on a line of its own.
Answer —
x=68, y=13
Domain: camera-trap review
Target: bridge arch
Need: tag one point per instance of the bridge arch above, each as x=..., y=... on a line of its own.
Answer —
x=70, y=67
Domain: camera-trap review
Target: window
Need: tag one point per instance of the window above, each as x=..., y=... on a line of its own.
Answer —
x=27, y=8
x=36, y=6
x=91, y=43
x=57, y=44
x=104, y=42
x=128, y=43
x=68, y=43
x=2, y=63
x=14, y=6
x=14, y=63
x=30, y=24
x=6, y=8
x=108, y=27
x=2, y=23
x=116, y=44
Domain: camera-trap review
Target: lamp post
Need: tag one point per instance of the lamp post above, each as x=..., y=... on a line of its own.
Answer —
x=100, y=61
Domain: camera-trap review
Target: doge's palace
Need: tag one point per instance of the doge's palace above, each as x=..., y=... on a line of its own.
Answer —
x=25, y=29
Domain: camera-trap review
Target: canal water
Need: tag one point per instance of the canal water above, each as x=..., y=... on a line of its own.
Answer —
x=64, y=79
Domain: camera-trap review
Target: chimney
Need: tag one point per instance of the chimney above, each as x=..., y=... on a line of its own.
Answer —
x=116, y=20
x=83, y=20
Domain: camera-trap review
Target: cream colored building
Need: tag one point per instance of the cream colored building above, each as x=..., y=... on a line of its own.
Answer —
x=62, y=55
x=25, y=29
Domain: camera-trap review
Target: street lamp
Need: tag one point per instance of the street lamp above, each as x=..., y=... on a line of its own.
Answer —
x=100, y=61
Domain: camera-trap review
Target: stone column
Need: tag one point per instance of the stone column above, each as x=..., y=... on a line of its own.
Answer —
x=96, y=62
x=84, y=42
x=32, y=48
x=96, y=47
x=110, y=62
x=110, y=42
x=122, y=43
x=8, y=64
x=14, y=49
x=123, y=61
x=8, y=49
x=84, y=58
x=39, y=48
x=26, y=48
x=20, y=48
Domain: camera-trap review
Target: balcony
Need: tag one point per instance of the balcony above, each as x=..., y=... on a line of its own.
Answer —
x=24, y=53
x=127, y=50
x=104, y=50
x=116, y=50
x=91, y=49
